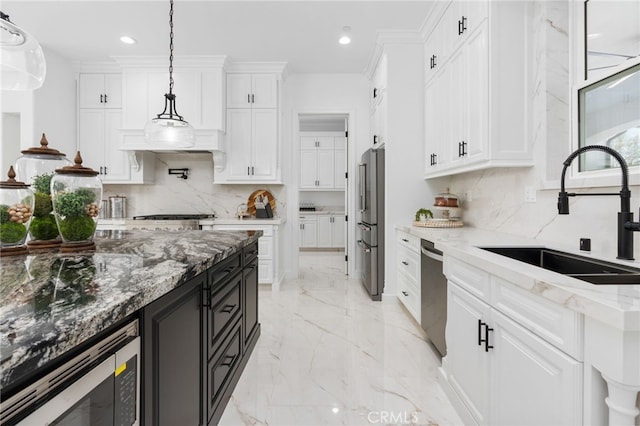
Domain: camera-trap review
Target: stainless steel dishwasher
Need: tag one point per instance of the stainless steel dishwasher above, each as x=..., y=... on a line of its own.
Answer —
x=433, y=297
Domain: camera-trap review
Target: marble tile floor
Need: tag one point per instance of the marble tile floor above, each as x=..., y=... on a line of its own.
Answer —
x=328, y=355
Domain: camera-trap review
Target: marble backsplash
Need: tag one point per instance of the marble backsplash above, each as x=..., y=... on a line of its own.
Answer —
x=195, y=195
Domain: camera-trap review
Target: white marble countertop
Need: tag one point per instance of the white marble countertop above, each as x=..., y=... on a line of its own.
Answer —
x=321, y=212
x=616, y=305
x=247, y=221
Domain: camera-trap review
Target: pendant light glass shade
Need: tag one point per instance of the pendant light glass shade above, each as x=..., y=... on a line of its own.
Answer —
x=22, y=62
x=169, y=129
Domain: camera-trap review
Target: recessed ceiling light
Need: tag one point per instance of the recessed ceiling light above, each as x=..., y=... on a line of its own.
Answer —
x=345, y=37
x=127, y=40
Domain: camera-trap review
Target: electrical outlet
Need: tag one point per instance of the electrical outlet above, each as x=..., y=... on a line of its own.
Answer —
x=529, y=194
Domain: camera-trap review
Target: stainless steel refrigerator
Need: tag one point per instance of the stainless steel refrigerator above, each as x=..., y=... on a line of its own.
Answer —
x=371, y=206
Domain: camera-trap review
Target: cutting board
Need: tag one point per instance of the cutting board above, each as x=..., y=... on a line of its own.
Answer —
x=251, y=202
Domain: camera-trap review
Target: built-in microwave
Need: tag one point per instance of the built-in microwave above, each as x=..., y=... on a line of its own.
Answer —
x=100, y=386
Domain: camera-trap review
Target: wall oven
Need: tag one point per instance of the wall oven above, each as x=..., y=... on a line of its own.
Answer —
x=100, y=386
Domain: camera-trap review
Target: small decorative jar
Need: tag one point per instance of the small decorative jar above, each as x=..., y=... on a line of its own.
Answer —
x=76, y=192
x=36, y=167
x=16, y=211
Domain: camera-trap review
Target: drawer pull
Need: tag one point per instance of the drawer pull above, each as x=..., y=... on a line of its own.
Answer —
x=228, y=309
x=405, y=293
x=405, y=263
x=405, y=240
x=228, y=360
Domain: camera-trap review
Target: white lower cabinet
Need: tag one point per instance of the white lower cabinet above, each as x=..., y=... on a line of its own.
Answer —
x=269, y=258
x=322, y=231
x=499, y=368
x=408, y=276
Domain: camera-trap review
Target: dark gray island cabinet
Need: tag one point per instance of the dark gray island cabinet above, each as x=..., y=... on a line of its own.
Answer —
x=197, y=340
x=174, y=315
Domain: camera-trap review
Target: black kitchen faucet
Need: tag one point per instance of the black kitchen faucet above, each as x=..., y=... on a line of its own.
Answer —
x=626, y=225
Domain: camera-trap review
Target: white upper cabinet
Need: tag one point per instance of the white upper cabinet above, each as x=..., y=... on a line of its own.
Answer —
x=245, y=90
x=322, y=162
x=252, y=141
x=100, y=91
x=475, y=88
x=379, y=103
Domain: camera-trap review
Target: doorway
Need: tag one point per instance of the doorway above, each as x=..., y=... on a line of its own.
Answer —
x=323, y=190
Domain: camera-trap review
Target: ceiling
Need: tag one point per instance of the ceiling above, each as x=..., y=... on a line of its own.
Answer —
x=302, y=33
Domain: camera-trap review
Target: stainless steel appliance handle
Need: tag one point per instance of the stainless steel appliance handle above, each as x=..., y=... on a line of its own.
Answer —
x=431, y=255
x=362, y=169
x=364, y=247
x=364, y=227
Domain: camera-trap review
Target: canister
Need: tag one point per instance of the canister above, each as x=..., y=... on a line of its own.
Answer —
x=105, y=209
x=118, y=206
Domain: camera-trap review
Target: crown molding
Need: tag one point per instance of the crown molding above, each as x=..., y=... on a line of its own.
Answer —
x=191, y=61
x=386, y=37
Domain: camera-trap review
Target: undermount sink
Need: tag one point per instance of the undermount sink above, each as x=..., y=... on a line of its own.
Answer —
x=591, y=270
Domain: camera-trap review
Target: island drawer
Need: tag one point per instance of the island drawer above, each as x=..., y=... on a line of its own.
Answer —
x=224, y=270
x=251, y=252
x=224, y=309
x=221, y=369
x=474, y=280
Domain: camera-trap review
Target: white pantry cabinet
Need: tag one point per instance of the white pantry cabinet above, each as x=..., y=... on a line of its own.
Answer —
x=246, y=90
x=322, y=230
x=97, y=90
x=252, y=145
x=512, y=357
x=322, y=162
x=476, y=87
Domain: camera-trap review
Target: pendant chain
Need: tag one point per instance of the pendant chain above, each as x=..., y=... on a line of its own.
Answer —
x=171, y=48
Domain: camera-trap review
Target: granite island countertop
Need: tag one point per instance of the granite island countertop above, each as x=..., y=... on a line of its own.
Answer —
x=615, y=305
x=51, y=302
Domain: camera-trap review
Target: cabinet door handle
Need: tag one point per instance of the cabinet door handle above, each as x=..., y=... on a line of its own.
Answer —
x=248, y=171
x=435, y=59
x=404, y=262
x=101, y=100
x=105, y=170
x=228, y=360
x=375, y=93
x=487, y=346
x=206, y=295
x=480, y=325
x=375, y=139
x=248, y=98
x=253, y=99
x=228, y=309
x=252, y=171
x=105, y=98
x=462, y=25
x=405, y=293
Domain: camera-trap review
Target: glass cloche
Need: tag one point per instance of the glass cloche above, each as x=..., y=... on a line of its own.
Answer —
x=36, y=167
x=76, y=192
x=16, y=211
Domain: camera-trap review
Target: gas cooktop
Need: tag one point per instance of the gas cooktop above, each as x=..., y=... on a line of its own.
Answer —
x=174, y=217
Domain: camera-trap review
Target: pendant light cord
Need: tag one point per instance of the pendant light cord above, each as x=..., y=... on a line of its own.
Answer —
x=171, y=48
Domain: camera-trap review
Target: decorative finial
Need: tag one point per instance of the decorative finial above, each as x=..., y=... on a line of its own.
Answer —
x=78, y=159
x=11, y=174
x=43, y=141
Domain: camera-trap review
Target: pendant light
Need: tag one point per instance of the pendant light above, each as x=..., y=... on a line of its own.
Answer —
x=169, y=129
x=22, y=63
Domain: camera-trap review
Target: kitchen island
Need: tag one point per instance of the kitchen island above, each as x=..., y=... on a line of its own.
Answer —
x=52, y=303
x=526, y=344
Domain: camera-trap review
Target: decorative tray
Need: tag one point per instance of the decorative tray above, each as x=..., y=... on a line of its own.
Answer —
x=439, y=223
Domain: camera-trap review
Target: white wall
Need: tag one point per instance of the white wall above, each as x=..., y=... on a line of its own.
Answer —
x=322, y=93
x=50, y=109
